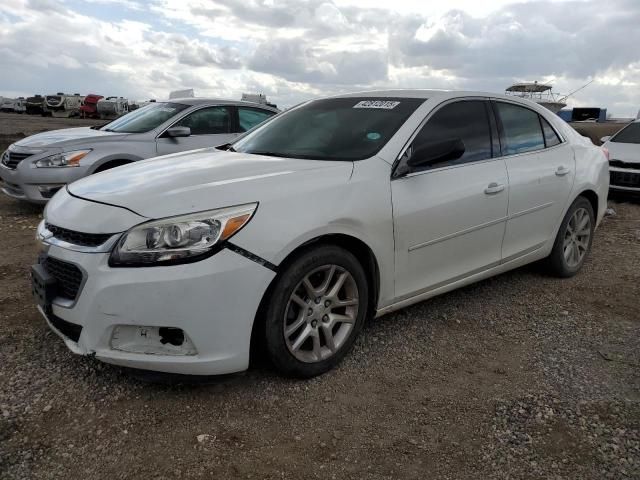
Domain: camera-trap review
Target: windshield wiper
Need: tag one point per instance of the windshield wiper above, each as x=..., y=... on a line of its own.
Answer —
x=284, y=155
x=227, y=147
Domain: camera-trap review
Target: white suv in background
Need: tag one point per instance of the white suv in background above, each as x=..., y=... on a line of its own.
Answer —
x=624, y=159
x=337, y=210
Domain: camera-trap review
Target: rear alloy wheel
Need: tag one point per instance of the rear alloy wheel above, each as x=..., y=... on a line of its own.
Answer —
x=316, y=311
x=573, y=241
x=577, y=238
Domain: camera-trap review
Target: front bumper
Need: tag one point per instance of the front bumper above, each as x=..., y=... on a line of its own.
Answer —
x=213, y=301
x=36, y=185
x=624, y=179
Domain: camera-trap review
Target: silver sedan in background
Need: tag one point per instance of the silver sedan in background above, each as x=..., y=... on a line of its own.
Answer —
x=34, y=168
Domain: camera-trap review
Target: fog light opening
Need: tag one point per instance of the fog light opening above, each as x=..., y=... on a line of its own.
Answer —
x=152, y=340
x=172, y=336
x=47, y=191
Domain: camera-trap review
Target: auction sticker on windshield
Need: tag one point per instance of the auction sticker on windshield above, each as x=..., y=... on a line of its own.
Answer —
x=384, y=104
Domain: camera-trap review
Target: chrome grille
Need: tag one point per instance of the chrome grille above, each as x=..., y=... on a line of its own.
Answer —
x=78, y=238
x=12, y=159
x=621, y=164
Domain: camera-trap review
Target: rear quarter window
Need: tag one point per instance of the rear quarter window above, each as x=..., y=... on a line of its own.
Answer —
x=551, y=138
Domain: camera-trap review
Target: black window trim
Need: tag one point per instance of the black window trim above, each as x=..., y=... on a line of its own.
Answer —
x=230, y=107
x=396, y=164
x=494, y=104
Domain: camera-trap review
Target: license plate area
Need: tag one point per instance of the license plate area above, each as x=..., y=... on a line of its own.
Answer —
x=43, y=286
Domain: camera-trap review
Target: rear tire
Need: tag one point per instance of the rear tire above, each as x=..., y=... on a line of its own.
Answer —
x=573, y=241
x=315, y=312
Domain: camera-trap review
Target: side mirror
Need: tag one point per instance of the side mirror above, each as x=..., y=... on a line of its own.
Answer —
x=605, y=139
x=436, y=152
x=175, y=132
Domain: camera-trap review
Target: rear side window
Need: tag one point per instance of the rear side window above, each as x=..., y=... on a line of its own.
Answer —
x=629, y=134
x=465, y=120
x=208, y=121
x=522, y=131
x=250, y=117
x=550, y=136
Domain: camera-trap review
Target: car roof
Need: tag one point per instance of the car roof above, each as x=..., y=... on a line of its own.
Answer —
x=216, y=101
x=430, y=93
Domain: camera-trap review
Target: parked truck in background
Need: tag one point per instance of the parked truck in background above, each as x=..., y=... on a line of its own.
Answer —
x=89, y=107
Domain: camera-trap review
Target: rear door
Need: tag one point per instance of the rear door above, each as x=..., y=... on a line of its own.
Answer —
x=449, y=217
x=541, y=167
x=210, y=126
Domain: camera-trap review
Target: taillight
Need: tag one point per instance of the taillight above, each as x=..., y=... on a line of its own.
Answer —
x=605, y=150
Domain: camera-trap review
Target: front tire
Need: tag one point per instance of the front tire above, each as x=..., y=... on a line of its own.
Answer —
x=315, y=312
x=573, y=241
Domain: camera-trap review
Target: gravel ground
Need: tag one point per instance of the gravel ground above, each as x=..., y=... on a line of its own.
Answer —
x=519, y=376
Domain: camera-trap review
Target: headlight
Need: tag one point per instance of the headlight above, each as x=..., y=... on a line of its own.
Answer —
x=182, y=239
x=65, y=159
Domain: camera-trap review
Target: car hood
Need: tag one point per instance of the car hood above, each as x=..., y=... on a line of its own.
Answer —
x=202, y=180
x=67, y=136
x=627, y=152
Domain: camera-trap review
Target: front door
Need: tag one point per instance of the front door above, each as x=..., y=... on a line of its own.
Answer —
x=449, y=217
x=210, y=126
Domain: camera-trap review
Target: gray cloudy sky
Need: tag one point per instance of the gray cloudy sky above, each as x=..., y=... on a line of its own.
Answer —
x=293, y=50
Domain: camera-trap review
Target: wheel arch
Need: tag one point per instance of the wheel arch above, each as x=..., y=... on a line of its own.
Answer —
x=111, y=164
x=363, y=253
x=592, y=196
x=113, y=160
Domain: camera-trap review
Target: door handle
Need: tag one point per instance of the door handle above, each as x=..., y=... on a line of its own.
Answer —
x=494, y=188
x=562, y=170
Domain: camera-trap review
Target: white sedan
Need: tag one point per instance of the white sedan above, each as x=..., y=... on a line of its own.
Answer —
x=338, y=210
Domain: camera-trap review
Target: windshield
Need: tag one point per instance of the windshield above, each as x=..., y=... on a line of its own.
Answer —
x=145, y=118
x=332, y=129
x=629, y=134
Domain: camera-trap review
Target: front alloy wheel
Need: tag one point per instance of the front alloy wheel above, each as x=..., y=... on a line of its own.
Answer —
x=321, y=313
x=316, y=308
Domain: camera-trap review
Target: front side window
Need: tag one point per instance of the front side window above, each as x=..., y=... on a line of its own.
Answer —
x=351, y=128
x=522, y=131
x=250, y=117
x=465, y=120
x=207, y=121
x=145, y=119
x=629, y=134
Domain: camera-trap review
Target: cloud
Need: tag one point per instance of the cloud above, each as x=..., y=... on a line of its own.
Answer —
x=296, y=49
x=577, y=39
